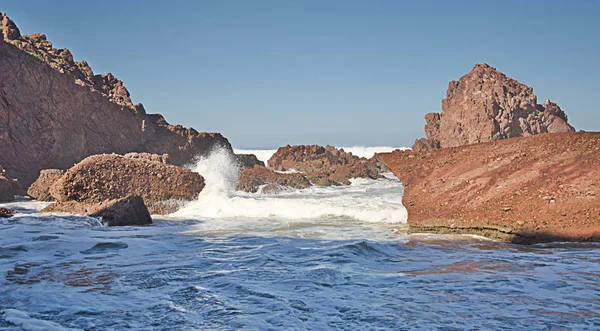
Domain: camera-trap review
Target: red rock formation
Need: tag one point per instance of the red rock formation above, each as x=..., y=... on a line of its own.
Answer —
x=485, y=105
x=105, y=177
x=323, y=165
x=525, y=190
x=54, y=112
x=40, y=189
x=118, y=212
x=251, y=178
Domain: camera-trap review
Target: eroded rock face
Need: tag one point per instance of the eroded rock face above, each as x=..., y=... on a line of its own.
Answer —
x=252, y=178
x=485, y=105
x=150, y=157
x=54, y=112
x=117, y=212
x=110, y=176
x=523, y=190
x=7, y=191
x=40, y=189
x=323, y=165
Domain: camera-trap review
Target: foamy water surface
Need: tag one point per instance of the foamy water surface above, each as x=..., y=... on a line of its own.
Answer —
x=313, y=259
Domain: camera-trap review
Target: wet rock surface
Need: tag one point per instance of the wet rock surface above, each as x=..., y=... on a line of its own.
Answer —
x=116, y=212
x=110, y=176
x=248, y=160
x=5, y=212
x=252, y=178
x=324, y=165
x=523, y=190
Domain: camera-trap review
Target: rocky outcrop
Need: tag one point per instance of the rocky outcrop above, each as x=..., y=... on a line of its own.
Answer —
x=54, y=112
x=110, y=176
x=248, y=160
x=7, y=191
x=485, y=105
x=150, y=157
x=523, y=190
x=323, y=165
x=40, y=189
x=252, y=178
x=5, y=212
x=117, y=212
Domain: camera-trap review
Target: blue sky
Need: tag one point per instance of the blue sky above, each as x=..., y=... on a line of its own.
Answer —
x=268, y=73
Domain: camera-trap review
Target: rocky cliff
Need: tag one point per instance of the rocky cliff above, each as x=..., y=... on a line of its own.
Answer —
x=55, y=111
x=486, y=105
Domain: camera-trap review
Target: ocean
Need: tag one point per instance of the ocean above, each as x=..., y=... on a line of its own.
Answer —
x=334, y=258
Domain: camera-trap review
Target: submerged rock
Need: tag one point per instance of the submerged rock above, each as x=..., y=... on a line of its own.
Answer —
x=40, y=189
x=130, y=210
x=252, y=178
x=5, y=212
x=110, y=176
x=486, y=105
x=324, y=165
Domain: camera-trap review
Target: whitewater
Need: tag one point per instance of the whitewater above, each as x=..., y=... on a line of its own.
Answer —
x=313, y=259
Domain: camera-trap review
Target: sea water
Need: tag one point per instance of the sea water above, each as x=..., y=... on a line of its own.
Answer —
x=312, y=259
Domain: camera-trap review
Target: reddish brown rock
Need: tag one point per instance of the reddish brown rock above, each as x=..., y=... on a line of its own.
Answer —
x=249, y=160
x=106, y=177
x=251, y=178
x=328, y=165
x=486, y=105
x=54, y=112
x=40, y=189
x=118, y=212
x=150, y=157
x=524, y=190
x=5, y=212
x=10, y=31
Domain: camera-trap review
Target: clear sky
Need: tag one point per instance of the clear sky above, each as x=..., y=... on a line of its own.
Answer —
x=268, y=73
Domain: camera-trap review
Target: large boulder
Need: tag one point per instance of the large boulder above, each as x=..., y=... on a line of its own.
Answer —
x=110, y=176
x=324, y=165
x=5, y=212
x=40, y=189
x=486, y=105
x=117, y=212
x=522, y=190
x=252, y=178
x=55, y=111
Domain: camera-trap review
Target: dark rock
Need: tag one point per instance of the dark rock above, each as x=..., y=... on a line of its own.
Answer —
x=40, y=189
x=130, y=210
x=5, y=212
x=7, y=192
x=249, y=160
x=10, y=31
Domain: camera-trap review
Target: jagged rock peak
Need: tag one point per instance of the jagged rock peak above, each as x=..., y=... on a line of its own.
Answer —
x=486, y=105
x=62, y=60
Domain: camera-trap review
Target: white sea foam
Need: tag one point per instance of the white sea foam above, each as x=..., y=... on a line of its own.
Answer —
x=360, y=151
x=365, y=200
x=23, y=320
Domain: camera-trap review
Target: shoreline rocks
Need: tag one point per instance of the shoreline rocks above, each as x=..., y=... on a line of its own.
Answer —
x=324, y=166
x=252, y=178
x=126, y=211
x=5, y=212
x=109, y=176
x=40, y=189
x=522, y=190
